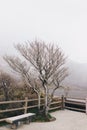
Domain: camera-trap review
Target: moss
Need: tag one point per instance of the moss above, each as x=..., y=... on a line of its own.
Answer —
x=3, y=123
x=43, y=118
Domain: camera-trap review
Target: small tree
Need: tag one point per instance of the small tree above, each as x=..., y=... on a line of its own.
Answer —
x=46, y=63
x=7, y=85
x=66, y=90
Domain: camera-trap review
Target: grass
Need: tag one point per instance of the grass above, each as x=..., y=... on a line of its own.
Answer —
x=3, y=123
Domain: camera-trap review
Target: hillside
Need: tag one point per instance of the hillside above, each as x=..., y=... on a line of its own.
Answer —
x=77, y=79
x=77, y=74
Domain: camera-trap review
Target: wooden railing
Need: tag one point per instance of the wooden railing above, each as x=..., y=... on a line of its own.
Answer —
x=75, y=104
x=26, y=105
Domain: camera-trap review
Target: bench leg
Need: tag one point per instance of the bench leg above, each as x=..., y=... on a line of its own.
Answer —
x=28, y=120
x=14, y=125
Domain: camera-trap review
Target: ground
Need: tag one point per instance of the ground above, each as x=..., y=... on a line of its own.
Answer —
x=65, y=120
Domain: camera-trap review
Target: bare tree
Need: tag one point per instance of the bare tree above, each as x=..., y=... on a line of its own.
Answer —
x=46, y=63
x=7, y=85
x=66, y=90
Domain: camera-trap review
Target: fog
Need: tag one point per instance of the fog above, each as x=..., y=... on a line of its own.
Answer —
x=61, y=22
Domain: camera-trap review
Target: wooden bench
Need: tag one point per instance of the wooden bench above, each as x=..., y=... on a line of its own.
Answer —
x=16, y=119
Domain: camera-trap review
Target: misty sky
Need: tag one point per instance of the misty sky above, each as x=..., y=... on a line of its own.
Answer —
x=59, y=21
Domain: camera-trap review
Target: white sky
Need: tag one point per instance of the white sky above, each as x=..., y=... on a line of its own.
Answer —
x=58, y=21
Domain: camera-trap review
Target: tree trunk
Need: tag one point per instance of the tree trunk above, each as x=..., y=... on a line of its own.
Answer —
x=6, y=94
x=46, y=100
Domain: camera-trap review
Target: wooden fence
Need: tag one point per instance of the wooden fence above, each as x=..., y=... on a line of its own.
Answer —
x=27, y=104
x=76, y=104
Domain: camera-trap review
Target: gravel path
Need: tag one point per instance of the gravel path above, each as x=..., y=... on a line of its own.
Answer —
x=65, y=120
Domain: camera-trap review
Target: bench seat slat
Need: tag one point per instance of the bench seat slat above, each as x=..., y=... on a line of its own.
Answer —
x=16, y=118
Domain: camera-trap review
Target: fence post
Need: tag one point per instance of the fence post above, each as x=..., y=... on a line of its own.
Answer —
x=63, y=102
x=26, y=103
x=86, y=105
